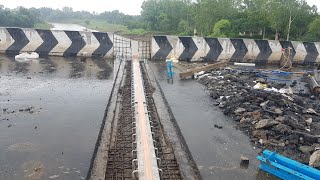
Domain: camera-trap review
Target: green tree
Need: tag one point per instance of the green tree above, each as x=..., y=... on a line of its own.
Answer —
x=221, y=28
x=313, y=33
x=292, y=19
x=165, y=15
x=164, y=22
x=184, y=29
x=211, y=11
x=19, y=17
x=254, y=14
x=287, y=13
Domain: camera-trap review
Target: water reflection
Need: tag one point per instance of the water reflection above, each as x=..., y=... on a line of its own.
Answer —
x=48, y=66
x=50, y=115
x=105, y=66
x=77, y=68
x=57, y=66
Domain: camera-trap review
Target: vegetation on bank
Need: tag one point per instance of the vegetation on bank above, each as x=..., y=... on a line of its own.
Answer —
x=259, y=19
x=19, y=17
x=42, y=25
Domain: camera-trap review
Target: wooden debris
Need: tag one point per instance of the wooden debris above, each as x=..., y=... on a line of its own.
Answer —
x=209, y=67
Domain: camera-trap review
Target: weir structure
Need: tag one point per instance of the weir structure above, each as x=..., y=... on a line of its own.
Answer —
x=139, y=138
x=146, y=166
x=185, y=48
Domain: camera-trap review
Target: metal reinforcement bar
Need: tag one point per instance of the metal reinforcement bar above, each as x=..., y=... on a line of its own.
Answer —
x=146, y=163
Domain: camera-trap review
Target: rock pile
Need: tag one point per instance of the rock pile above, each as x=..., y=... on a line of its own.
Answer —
x=286, y=123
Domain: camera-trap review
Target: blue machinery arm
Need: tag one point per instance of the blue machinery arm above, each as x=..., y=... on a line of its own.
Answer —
x=170, y=69
x=286, y=168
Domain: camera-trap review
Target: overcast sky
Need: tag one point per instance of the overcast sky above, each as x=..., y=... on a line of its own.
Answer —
x=132, y=7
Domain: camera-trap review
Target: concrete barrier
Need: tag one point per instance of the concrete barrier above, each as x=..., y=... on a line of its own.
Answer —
x=97, y=44
x=235, y=50
x=56, y=42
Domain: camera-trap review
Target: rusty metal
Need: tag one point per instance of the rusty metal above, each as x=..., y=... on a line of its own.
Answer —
x=120, y=154
x=144, y=48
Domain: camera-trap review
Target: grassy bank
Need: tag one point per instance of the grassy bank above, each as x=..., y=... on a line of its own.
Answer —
x=103, y=26
x=43, y=25
x=98, y=25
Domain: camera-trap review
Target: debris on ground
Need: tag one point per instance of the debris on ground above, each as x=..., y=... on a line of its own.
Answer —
x=22, y=57
x=33, y=169
x=29, y=109
x=218, y=126
x=200, y=70
x=277, y=115
x=54, y=176
x=244, y=159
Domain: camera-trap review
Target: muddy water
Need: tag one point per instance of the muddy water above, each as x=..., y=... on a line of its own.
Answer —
x=216, y=151
x=50, y=116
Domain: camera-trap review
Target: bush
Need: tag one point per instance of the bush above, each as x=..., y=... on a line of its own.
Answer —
x=221, y=28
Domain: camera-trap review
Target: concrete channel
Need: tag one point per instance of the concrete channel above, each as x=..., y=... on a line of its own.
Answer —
x=125, y=147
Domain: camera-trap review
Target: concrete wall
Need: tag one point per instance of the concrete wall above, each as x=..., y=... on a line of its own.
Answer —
x=235, y=50
x=56, y=42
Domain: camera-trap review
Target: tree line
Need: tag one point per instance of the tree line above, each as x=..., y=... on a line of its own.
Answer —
x=259, y=19
x=263, y=19
x=19, y=17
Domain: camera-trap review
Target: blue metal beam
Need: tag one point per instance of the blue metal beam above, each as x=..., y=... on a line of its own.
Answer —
x=286, y=168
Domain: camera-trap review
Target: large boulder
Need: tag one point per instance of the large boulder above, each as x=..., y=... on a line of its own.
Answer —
x=315, y=159
x=240, y=110
x=306, y=149
x=266, y=123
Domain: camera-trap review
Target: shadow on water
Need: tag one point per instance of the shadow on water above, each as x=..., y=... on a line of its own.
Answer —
x=48, y=66
x=77, y=68
x=22, y=68
x=105, y=67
